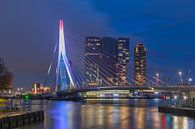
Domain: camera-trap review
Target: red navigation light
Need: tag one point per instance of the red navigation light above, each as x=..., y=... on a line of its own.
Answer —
x=61, y=24
x=164, y=97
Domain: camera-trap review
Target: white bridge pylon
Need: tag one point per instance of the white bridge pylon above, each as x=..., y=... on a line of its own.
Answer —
x=63, y=69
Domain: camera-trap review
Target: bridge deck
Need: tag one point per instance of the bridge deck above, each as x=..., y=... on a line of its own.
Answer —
x=161, y=88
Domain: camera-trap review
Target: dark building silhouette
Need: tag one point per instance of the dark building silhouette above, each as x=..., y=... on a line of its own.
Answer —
x=109, y=46
x=140, y=64
x=108, y=70
x=109, y=61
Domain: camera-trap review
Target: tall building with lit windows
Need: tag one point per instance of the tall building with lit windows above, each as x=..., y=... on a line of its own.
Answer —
x=93, y=49
x=139, y=64
x=117, y=51
x=106, y=61
x=122, y=57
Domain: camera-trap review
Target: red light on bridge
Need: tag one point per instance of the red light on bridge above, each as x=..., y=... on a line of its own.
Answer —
x=61, y=24
x=164, y=97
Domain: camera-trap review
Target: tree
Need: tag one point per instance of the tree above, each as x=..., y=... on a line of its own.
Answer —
x=6, y=77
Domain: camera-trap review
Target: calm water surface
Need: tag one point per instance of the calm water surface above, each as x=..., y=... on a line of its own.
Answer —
x=125, y=114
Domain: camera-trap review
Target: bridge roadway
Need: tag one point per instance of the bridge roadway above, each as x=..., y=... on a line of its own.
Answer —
x=157, y=88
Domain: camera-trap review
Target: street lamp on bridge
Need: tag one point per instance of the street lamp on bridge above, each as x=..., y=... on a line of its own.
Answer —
x=190, y=80
x=180, y=76
x=157, y=78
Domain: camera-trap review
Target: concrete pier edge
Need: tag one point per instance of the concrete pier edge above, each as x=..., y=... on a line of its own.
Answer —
x=179, y=111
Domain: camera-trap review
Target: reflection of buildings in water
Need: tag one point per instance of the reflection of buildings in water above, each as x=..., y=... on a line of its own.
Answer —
x=124, y=117
x=155, y=120
x=175, y=122
x=185, y=123
x=88, y=116
x=140, y=117
x=109, y=111
x=180, y=122
x=131, y=118
x=90, y=120
x=83, y=116
x=109, y=116
x=115, y=116
x=100, y=114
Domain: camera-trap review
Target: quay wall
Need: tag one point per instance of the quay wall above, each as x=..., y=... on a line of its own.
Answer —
x=20, y=119
x=189, y=112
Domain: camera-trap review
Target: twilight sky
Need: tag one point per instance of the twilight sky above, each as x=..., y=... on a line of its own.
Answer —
x=29, y=31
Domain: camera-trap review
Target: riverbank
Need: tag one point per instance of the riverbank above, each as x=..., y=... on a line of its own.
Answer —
x=179, y=111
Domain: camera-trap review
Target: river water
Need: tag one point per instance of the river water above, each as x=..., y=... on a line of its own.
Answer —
x=104, y=114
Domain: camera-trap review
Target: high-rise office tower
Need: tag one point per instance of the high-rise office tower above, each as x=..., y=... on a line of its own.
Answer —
x=122, y=56
x=92, y=57
x=118, y=52
x=140, y=64
x=106, y=61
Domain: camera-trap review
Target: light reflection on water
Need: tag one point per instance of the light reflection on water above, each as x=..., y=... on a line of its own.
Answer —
x=132, y=114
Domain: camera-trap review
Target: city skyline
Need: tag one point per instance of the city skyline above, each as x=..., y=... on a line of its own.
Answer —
x=97, y=64
x=168, y=39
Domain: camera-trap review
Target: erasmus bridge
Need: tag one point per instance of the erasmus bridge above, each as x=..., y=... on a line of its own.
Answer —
x=70, y=71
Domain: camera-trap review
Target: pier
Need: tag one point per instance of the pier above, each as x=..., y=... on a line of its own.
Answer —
x=15, y=120
x=179, y=111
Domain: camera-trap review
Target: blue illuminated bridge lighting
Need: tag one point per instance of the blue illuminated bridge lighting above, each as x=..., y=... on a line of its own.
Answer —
x=63, y=70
